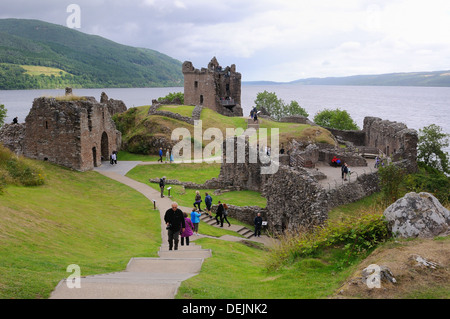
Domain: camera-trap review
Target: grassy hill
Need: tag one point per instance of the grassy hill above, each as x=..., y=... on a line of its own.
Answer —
x=73, y=218
x=73, y=58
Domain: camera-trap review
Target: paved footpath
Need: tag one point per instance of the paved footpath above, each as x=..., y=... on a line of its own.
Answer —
x=143, y=278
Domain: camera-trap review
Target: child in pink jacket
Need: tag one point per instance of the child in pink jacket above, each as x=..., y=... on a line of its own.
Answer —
x=188, y=230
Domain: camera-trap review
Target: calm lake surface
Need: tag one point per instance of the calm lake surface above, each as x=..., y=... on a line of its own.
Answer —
x=415, y=106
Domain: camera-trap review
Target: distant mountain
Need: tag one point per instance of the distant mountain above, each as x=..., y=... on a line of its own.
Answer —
x=436, y=78
x=36, y=54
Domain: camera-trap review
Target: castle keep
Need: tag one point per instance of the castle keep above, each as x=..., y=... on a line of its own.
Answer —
x=214, y=87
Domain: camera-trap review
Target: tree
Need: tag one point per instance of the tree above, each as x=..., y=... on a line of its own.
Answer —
x=277, y=107
x=391, y=177
x=337, y=119
x=3, y=112
x=432, y=141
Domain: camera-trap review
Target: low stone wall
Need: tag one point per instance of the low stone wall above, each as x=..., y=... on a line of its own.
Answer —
x=154, y=111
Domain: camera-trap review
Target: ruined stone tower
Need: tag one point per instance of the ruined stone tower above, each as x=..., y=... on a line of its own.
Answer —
x=214, y=87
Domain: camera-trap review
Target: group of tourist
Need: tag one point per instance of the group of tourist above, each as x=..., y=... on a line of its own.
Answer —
x=113, y=158
x=222, y=209
x=345, y=170
x=179, y=224
x=169, y=156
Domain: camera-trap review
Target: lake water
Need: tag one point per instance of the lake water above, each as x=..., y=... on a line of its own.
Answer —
x=415, y=106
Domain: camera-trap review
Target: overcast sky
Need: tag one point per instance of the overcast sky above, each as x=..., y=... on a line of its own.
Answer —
x=277, y=40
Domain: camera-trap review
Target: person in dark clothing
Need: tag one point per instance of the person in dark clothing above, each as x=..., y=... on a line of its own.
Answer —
x=15, y=120
x=175, y=224
x=208, y=203
x=225, y=214
x=162, y=183
x=219, y=214
x=258, y=225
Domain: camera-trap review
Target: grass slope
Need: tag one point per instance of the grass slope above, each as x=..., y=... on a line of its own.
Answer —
x=90, y=61
x=75, y=218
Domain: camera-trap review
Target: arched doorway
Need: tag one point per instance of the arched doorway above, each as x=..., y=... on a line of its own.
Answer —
x=105, y=147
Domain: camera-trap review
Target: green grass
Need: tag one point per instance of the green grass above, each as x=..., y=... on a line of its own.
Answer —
x=184, y=110
x=371, y=203
x=237, y=271
x=197, y=173
x=75, y=218
x=127, y=156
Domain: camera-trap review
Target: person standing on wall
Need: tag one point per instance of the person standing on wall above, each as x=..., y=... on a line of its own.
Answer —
x=174, y=224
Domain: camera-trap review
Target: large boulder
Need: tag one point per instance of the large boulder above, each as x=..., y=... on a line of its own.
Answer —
x=418, y=215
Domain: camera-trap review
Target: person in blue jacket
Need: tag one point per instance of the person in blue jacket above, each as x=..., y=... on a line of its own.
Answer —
x=160, y=154
x=195, y=219
x=208, y=203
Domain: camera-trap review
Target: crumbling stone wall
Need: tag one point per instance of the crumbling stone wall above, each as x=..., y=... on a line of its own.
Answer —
x=75, y=134
x=214, y=87
x=12, y=135
x=393, y=139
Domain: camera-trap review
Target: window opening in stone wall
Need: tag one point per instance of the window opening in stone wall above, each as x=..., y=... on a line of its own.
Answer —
x=46, y=125
x=196, y=84
x=94, y=155
x=201, y=99
x=89, y=119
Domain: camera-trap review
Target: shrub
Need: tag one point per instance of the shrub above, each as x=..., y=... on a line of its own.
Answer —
x=354, y=236
x=18, y=170
x=391, y=178
x=171, y=97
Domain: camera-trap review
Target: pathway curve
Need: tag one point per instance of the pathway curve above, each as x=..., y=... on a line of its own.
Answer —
x=143, y=278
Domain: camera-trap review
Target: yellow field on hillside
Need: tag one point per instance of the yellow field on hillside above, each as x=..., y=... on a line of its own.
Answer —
x=35, y=70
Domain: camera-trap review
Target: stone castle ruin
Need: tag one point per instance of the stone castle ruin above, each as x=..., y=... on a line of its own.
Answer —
x=75, y=132
x=296, y=198
x=214, y=87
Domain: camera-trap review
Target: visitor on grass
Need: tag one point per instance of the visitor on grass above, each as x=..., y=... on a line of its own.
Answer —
x=160, y=154
x=198, y=200
x=175, y=223
x=258, y=225
x=188, y=230
x=195, y=219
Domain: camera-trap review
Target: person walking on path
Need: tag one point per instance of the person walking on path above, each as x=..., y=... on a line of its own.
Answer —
x=198, y=200
x=208, y=203
x=160, y=154
x=167, y=156
x=162, y=183
x=345, y=171
x=171, y=157
x=188, y=230
x=219, y=214
x=195, y=219
x=225, y=214
x=258, y=225
x=175, y=224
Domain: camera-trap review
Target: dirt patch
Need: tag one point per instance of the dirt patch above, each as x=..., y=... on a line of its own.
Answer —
x=412, y=280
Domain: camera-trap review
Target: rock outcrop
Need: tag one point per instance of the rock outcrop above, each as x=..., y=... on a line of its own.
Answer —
x=418, y=215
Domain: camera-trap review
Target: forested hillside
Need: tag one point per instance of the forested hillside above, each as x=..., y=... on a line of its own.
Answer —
x=73, y=58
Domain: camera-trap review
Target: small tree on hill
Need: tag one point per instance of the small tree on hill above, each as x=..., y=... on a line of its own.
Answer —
x=277, y=107
x=432, y=141
x=337, y=119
